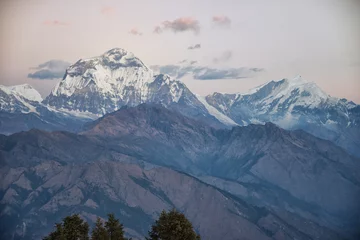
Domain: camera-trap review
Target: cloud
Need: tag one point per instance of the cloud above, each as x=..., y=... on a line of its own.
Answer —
x=171, y=70
x=53, y=69
x=55, y=23
x=225, y=56
x=157, y=30
x=179, y=25
x=221, y=20
x=135, y=32
x=108, y=11
x=206, y=73
x=186, y=61
x=231, y=73
x=196, y=46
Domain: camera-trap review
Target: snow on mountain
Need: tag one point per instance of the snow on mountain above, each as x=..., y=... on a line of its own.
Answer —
x=95, y=86
x=27, y=91
x=108, y=73
x=277, y=97
x=303, y=93
x=102, y=84
x=21, y=109
x=216, y=113
x=295, y=104
x=19, y=98
x=118, y=78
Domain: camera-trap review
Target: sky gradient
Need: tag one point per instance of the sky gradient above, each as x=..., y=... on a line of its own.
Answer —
x=317, y=39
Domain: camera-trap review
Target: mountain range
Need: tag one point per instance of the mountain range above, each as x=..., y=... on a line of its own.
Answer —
x=99, y=85
x=21, y=109
x=139, y=160
x=278, y=162
x=117, y=78
x=295, y=104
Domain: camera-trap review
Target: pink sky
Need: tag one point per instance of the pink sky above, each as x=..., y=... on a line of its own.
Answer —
x=316, y=39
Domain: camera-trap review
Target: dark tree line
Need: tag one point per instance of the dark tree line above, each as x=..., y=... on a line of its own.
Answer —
x=171, y=225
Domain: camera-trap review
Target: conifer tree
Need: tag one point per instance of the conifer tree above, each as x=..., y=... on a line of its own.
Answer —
x=99, y=232
x=114, y=228
x=58, y=234
x=172, y=225
x=71, y=228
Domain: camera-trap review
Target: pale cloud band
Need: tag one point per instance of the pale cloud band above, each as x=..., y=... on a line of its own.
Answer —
x=224, y=57
x=221, y=20
x=136, y=32
x=108, y=11
x=196, y=46
x=179, y=25
x=55, y=23
x=206, y=73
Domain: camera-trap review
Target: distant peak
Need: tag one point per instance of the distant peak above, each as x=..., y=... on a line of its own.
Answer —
x=25, y=90
x=116, y=51
x=118, y=57
x=22, y=86
x=297, y=80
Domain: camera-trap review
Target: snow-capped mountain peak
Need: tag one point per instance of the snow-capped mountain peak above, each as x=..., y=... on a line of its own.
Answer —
x=294, y=104
x=296, y=81
x=27, y=91
x=117, y=78
x=19, y=98
x=24, y=90
x=293, y=92
x=109, y=73
x=119, y=57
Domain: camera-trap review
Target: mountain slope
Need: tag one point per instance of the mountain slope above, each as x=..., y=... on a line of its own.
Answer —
x=288, y=172
x=137, y=195
x=117, y=78
x=19, y=98
x=21, y=109
x=295, y=104
x=277, y=168
x=64, y=173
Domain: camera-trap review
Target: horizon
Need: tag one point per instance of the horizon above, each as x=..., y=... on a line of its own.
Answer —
x=243, y=92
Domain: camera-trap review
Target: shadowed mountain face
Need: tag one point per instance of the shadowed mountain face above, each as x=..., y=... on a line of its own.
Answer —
x=293, y=165
x=286, y=174
x=21, y=110
x=48, y=191
x=295, y=104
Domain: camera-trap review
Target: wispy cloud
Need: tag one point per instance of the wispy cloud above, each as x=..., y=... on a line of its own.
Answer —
x=108, y=11
x=206, y=73
x=135, y=32
x=55, y=23
x=221, y=20
x=157, y=29
x=224, y=57
x=179, y=25
x=196, y=46
x=172, y=70
x=231, y=73
x=53, y=69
